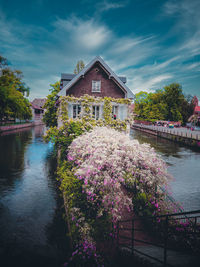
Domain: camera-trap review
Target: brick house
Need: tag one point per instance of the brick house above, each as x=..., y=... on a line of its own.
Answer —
x=97, y=80
x=37, y=107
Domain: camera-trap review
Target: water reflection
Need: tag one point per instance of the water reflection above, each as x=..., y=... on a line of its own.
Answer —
x=183, y=163
x=32, y=231
x=12, y=150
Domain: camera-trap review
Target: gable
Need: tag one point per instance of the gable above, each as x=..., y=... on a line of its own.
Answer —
x=108, y=88
x=39, y=102
x=119, y=84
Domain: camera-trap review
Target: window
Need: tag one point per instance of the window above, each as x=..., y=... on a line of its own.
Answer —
x=115, y=112
x=96, y=86
x=95, y=112
x=76, y=111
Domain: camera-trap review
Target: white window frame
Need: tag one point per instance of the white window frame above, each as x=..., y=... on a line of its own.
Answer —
x=115, y=110
x=76, y=110
x=96, y=86
x=96, y=112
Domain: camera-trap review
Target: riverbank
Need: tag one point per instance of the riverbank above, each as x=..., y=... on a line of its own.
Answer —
x=19, y=126
x=181, y=135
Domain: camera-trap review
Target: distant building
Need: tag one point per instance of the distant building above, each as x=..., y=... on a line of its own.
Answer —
x=37, y=107
x=194, y=120
x=197, y=110
x=197, y=107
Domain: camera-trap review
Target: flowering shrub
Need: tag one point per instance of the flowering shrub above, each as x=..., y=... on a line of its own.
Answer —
x=85, y=254
x=106, y=160
x=106, y=175
x=62, y=137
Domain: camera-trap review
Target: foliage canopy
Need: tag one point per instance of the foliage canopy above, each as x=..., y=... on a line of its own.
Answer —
x=79, y=66
x=13, y=104
x=50, y=116
x=167, y=104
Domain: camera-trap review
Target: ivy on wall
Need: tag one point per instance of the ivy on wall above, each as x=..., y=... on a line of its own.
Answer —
x=86, y=102
x=107, y=110
x=63, y=110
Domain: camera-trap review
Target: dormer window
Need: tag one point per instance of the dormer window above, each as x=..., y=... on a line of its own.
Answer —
x=96, y=86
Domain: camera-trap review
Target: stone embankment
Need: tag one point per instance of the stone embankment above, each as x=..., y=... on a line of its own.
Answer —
x=181, y=135
x=18, y=126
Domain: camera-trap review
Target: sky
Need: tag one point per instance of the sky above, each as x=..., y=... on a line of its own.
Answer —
x=151, y=42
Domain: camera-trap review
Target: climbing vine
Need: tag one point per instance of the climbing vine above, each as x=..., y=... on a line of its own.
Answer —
x=107, y=110
x=86, y=103
x=63, y=111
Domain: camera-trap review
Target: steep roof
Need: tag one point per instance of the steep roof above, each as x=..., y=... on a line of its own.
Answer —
x=122, y=78
x=116, y=79
x=67, y=76
x=38, y=103
x=70, y=76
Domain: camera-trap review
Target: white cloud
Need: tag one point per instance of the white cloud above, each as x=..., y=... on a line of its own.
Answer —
x=85, y=34
x=186, y=24
x=193, y=66
x=192, y=44
x=105, y=5
x=165, y=63
x=158, y=79
x=43, y=54
x=71, y=39
x=148, y=84
x=127, y=43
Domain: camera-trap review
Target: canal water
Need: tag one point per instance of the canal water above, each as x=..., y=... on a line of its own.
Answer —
x=32, y=229
x=183, y=164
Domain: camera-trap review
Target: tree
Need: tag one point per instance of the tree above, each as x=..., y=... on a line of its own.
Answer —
x=14, y=77
x=150, y=105
x=13, y=104
x=141, y=97
x=167, y=104
x=173, y=96
x=187, y=107
x=3, y=62
x=141, y=100
x=50, y=116
x=79, y=66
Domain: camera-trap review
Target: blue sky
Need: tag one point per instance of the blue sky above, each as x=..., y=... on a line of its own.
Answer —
x=152, y=42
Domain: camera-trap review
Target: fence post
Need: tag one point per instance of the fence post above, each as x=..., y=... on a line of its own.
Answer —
x=118, y=235
x=132, y=238
x=165, y=241
x=195, y=231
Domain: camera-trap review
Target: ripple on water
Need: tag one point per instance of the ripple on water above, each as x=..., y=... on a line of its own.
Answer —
x=33, y=232
x=183, y=164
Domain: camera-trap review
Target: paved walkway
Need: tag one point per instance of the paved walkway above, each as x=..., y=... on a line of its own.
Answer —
x=174, y=258
x=182, y=131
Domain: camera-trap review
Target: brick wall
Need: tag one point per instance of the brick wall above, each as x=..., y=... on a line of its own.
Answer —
x=108, y=86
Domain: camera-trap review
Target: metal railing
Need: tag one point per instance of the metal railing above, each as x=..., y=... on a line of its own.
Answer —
x=186, y=133
x=169, y=230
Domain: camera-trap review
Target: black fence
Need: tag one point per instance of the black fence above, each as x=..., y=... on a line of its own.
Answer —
x=171, y=232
